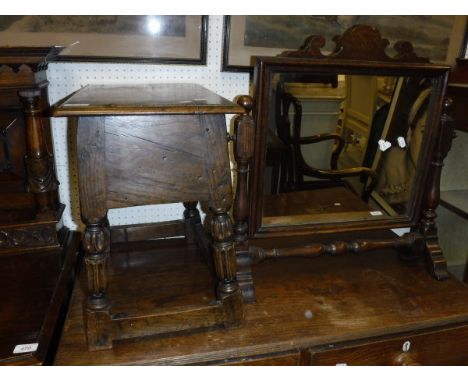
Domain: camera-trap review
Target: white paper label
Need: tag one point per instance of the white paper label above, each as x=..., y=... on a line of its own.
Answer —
x=25, y=348
x=376, y=213
x=401, y=142
x=384, y=145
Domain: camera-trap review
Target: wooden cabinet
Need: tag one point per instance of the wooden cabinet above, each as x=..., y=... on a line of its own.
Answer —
x=37, y=260
x=29, y=204
x=358, y=309
x=439, y=347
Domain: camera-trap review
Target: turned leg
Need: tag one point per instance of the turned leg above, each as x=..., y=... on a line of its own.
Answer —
x=96, y=241
x=41, y=178
x=191, y=219
x=243, y=151
x=228, y=291
x=97, y=307
x=436, y=263
x=221, y=227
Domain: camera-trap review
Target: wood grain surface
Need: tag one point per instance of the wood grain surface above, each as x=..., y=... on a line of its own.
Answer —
x=301, y=305
x=164, y=98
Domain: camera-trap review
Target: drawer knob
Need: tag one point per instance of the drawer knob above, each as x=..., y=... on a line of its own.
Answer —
x=406, y=346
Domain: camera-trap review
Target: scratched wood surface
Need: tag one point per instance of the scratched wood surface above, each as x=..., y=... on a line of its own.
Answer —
x=164, y=98
x=163, y=154
x=300, y=305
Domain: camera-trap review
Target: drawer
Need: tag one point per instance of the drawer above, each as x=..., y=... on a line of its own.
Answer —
x=442, y=347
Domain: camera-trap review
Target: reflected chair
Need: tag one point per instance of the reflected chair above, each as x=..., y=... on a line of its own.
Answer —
x=294, y=163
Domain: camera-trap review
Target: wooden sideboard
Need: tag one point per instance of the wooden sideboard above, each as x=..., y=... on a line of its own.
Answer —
x=356, y=309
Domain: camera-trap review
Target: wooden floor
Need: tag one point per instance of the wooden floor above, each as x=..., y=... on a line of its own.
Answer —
x=301, y=303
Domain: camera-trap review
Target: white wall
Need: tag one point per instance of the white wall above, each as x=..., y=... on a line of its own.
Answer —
x=66, y=78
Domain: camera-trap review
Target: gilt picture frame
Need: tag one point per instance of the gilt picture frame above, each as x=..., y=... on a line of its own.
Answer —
x=126, y=39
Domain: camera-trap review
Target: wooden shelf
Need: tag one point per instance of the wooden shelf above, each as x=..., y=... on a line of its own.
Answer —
x=456, y=201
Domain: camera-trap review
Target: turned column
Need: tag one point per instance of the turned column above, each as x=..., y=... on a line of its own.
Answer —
x=221, y=227
x=191, y=218
x=435, y=260
x=243, y=151
x=41, y=178
x=228, y=290
x=96, y=240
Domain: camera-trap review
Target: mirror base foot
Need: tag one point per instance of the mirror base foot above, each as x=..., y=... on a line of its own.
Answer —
x=435, y=261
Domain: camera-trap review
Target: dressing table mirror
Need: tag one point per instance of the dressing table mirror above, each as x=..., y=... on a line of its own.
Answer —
x=353, y=142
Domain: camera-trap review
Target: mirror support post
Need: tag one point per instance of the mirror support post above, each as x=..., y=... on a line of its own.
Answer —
x=435, y=260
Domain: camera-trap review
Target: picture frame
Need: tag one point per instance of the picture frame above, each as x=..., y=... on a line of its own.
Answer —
x=248, y=36
x=119, y=39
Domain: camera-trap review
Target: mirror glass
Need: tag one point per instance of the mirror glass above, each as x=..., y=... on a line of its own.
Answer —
x=341, y=147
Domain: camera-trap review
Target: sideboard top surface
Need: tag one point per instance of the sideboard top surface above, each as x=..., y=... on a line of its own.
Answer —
x=164, y=98
x=300, y=303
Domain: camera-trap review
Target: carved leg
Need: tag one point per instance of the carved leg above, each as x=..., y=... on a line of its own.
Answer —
x=220, y=201
x=41, y=178
x=97, y=307
x=191, y=218
x=96, y=241
x=228, y=290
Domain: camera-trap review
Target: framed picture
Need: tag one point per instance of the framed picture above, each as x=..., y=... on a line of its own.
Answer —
x=436, y=37
x=146, y=39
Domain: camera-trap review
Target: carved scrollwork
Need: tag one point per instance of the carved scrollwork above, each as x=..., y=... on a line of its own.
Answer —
x=22, y=69
x=27, y=237
x=360, y=42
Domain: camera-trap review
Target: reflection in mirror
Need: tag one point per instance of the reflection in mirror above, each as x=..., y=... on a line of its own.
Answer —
x=342, y=147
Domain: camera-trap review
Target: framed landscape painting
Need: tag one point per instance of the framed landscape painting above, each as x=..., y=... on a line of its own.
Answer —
x=148, y=39
x=437, y=37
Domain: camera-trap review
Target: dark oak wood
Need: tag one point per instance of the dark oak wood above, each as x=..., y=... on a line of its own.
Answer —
x=243, y=151
x=302, y=307
x=435, y=348
x=37, y=258
x=147, y=144
x=36, y=288
x=164, y=98
x=359, y=42
x=360, y=50
x=29, y=205
x=437, y=265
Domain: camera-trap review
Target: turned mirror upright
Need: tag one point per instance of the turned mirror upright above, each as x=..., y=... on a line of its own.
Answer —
x=351, y=141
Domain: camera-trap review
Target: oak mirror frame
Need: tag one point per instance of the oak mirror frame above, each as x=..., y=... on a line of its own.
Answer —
x=268, y=69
